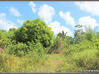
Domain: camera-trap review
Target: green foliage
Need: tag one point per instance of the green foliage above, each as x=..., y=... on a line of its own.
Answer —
x=37, y=48
x=7, y=39
x=78, y=34
x=56, y=42
x=1, y=32
x=68, y=67
x=87, y=59
x=29, y=63
x=22, y=49
x=26, y=49
x=62, y=35
x=17, y=49
x=58, y=45
x=37, y=31
x=3, y=62
x=90, y=34
x=68, y=41
x=83, y=45
x=17, y=41
x=97, y=35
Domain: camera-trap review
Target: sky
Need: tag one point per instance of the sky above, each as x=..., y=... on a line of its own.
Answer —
x=59, y=15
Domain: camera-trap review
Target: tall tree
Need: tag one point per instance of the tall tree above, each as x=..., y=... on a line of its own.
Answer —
x=78, y=34
x=62, y=35
x=35, y=30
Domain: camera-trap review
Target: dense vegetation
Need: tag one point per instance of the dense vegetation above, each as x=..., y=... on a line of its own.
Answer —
x=33, y=48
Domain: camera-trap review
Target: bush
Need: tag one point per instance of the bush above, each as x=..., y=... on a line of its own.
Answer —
x=36, y=48
x=87, y=59
x=83, y=60
x=17, y=49
x=7, y=39
x=85, y=44
x=22, y=49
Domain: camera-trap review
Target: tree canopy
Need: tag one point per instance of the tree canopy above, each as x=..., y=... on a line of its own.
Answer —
x=36, y=31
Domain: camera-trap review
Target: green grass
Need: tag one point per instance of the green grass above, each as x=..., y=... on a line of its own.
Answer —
x=24, y=64
x=86, y=59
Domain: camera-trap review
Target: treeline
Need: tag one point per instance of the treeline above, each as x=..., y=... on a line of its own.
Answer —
x=34, y=41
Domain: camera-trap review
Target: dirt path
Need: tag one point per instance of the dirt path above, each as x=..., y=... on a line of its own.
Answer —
x=55, y=60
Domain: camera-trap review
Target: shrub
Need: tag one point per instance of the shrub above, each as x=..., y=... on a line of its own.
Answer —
x=85, y=44
x=17, y=49
x=36, y=48
x=87, y=59
x=21, y=49
x=83, y=60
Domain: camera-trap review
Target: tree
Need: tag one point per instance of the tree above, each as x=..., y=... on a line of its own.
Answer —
x=69, y=40
x=36, y=31
x=90, y=34
x=12, y=29
x=78, y=34
x=62, y=35
x=58, y=43
x=97, y=35
x=1, y=33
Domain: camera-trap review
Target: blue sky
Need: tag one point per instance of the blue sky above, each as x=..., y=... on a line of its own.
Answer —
x=59, y=15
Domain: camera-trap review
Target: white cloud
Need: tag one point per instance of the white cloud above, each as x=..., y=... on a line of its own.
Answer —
x=20, y=21
x=88, y=21
x=2, y=15
x=66, y=16
x=46, y=13
x=90, y=7
x=32, y=5
x=4, y=23
x=14, y=12
x=57, y=28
